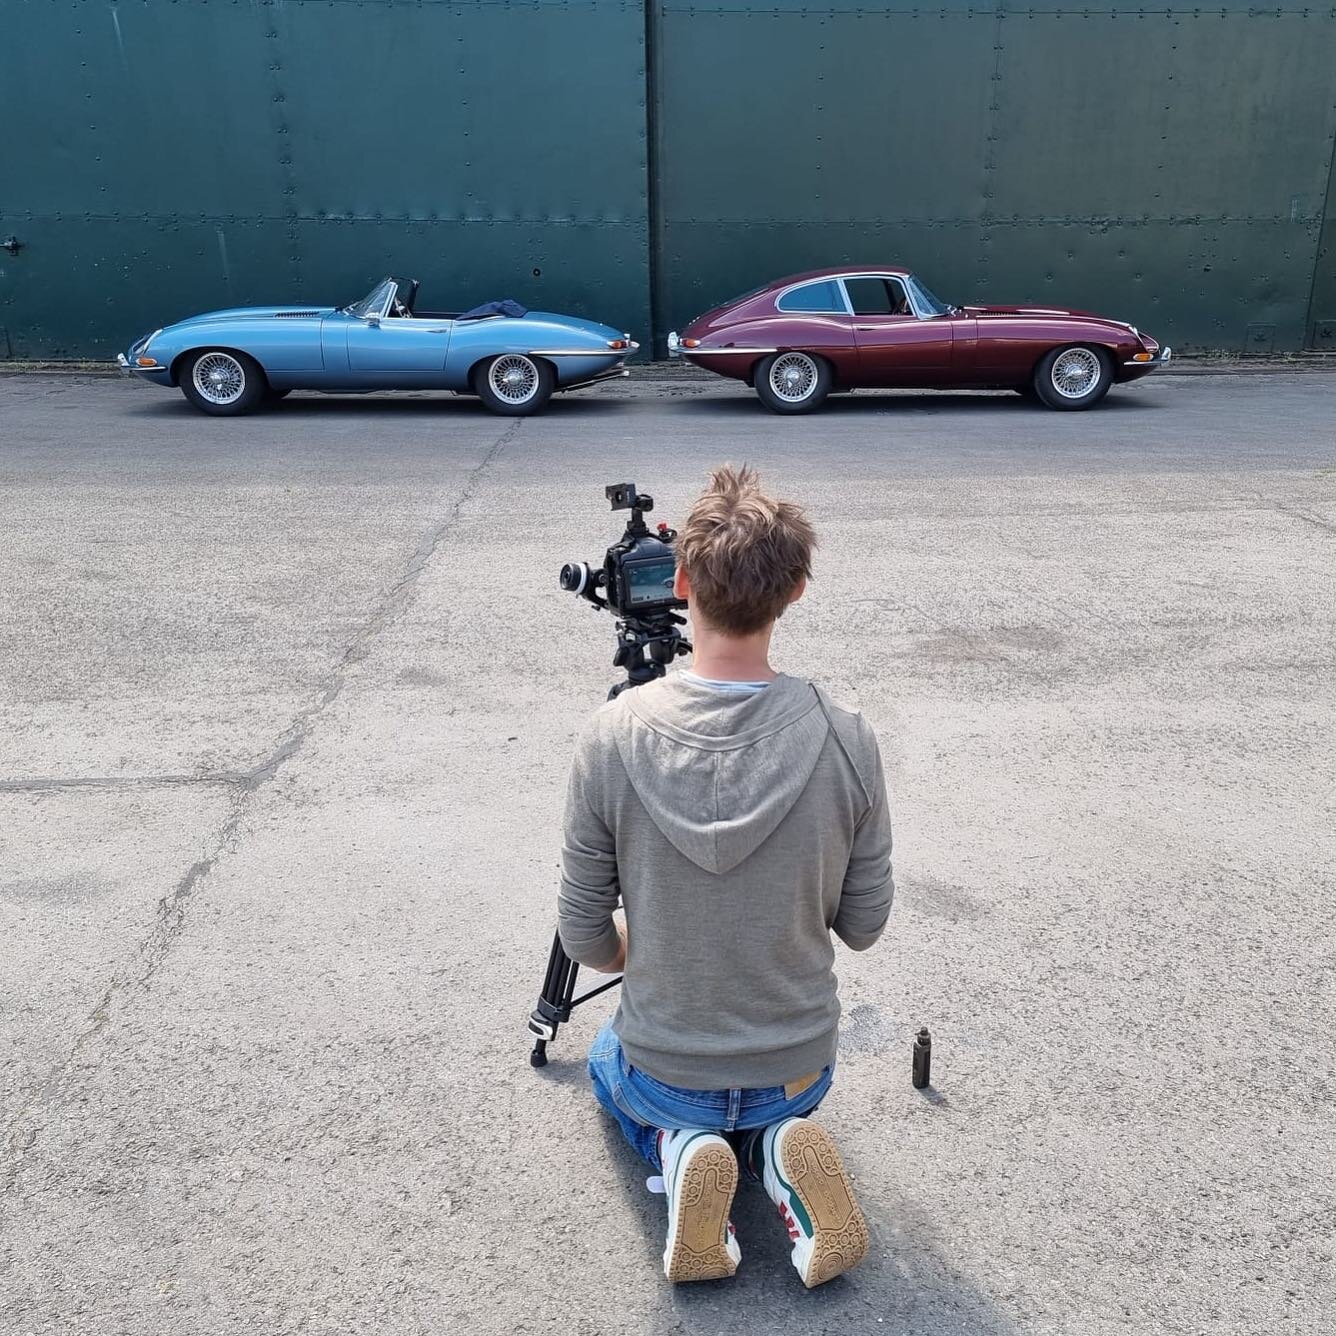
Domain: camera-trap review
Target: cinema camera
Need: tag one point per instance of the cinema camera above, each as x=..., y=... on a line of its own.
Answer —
x=635, y=583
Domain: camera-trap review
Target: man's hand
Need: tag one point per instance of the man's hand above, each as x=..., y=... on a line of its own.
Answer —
x=618, y=963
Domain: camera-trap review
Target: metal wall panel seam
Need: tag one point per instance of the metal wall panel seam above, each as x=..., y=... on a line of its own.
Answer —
x=284, y=147
x=1326, y=250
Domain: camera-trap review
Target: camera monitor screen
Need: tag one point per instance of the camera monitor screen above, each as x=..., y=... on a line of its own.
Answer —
x=649, y=581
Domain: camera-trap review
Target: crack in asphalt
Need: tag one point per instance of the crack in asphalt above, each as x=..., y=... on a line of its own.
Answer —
x=171, y=912
x=1317, y=521
x=48, y=784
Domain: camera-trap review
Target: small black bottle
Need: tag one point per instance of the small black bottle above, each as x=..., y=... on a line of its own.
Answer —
x=922, y=1059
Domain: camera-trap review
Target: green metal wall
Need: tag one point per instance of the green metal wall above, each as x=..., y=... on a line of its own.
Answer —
x=176, y=157
x=1171, y=166
x=1166, y=166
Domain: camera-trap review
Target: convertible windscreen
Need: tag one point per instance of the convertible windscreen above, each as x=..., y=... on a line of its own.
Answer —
x=376, y=302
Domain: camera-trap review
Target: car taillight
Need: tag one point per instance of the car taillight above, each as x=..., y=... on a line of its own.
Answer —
x=690, y=343
x=618, y=345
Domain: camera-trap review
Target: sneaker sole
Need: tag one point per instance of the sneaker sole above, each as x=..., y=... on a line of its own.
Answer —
x=814, y=1169
x=704, y=1200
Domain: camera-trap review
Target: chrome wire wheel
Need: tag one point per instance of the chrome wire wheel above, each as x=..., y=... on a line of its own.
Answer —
x=513, y=379
x=1075, y=373
x=219, y=378
x=793, y=377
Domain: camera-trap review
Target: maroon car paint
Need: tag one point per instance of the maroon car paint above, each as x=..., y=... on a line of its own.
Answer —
x=975, y=347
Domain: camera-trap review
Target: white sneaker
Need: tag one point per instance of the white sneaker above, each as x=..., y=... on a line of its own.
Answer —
x=804, y=1176
x=700, y=1176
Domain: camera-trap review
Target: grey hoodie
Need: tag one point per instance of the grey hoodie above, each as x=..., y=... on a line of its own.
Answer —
x=739, y=832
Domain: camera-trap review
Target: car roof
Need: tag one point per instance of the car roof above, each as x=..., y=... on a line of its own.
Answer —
x=894, y=271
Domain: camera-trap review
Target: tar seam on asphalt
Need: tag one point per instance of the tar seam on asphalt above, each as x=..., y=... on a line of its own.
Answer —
x=171, y=917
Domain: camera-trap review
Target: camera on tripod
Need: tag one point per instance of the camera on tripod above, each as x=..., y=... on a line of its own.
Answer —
x=636, y=577
x=635, y=583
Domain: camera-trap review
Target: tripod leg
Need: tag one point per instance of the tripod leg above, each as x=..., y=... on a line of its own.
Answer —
x=554, y=1003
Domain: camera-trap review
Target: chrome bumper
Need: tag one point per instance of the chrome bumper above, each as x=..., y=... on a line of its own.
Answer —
x=674, y=345
x=128, y=368
x=1161, y=359
x=616, y=373
x=631, y=347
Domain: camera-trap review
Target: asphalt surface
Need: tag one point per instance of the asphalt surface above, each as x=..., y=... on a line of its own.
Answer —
x=286, y=705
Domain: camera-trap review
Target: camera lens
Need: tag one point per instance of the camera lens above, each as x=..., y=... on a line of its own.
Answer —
x=574, y=576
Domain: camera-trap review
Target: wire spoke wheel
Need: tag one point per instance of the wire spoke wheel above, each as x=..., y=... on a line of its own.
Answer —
x=513, y=379
x=219, y=378
x=1076, y=373
x=793, y=377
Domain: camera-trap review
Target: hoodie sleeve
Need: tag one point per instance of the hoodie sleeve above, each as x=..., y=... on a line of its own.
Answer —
x=589, y=885
x=865, y=900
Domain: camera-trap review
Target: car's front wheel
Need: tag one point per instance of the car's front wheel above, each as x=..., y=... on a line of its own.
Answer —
x=514, y=385
x=793, y=382
x=1073, y=377
x=221, y=382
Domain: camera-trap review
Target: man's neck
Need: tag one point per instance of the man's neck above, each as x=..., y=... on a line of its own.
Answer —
x=723, y=658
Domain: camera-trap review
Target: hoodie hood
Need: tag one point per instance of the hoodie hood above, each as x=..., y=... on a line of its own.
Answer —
x=718, y=772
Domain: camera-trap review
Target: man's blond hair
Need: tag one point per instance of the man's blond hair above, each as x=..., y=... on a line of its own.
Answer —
x=743, y=552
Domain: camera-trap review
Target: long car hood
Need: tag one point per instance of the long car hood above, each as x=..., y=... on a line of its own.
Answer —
x=986, y=311
x=254, y=313
x=574, y=322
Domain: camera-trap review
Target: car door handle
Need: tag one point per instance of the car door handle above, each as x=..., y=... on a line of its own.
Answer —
x=869, y=327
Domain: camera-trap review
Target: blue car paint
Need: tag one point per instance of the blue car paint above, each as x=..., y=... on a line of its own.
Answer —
x=325, y=348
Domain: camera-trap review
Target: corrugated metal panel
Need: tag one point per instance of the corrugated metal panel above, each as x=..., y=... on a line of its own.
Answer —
x=1164, y=166
x=177, y=157
x=1322, y=305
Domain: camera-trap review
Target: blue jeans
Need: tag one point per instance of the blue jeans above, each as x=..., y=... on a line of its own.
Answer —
x=643, y=1106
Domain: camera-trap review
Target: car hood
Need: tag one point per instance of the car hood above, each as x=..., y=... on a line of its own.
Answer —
x=253, y=313
x=1042, y=311
x=574, y=323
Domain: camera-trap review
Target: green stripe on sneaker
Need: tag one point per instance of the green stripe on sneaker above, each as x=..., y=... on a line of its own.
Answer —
x=799, y=1210
x=681, y=1154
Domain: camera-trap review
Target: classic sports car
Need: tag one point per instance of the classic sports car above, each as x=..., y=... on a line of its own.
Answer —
x=230, y=361
x=796, y=340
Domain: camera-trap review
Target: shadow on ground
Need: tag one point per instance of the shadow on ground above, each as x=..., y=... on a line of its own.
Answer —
x=866, y=402
x=412, y=404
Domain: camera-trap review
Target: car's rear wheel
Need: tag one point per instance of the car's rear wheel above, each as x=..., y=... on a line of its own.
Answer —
x=514, y=385
x=1073, y=377
x=793, y=382
x=222, y=382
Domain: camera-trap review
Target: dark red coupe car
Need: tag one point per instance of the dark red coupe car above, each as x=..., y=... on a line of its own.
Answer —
x=797, y=340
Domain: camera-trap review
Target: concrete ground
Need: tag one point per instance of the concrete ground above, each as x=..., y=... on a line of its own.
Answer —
x=286, y=705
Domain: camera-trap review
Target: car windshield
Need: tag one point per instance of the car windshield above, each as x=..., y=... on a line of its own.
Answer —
x=924, y=299
x=376, y=302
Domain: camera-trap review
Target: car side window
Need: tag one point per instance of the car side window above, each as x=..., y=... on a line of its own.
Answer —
x=824, y=298
x=877, y=296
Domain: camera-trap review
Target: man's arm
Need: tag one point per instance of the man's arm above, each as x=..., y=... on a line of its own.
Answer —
x=589, y=885
x=865, y=901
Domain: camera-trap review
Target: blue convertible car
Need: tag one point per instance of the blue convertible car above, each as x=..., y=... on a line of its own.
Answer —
x=229, y=362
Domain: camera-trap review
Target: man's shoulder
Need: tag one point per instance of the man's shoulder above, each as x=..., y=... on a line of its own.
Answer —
x=600, y=730
x=855, y=735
